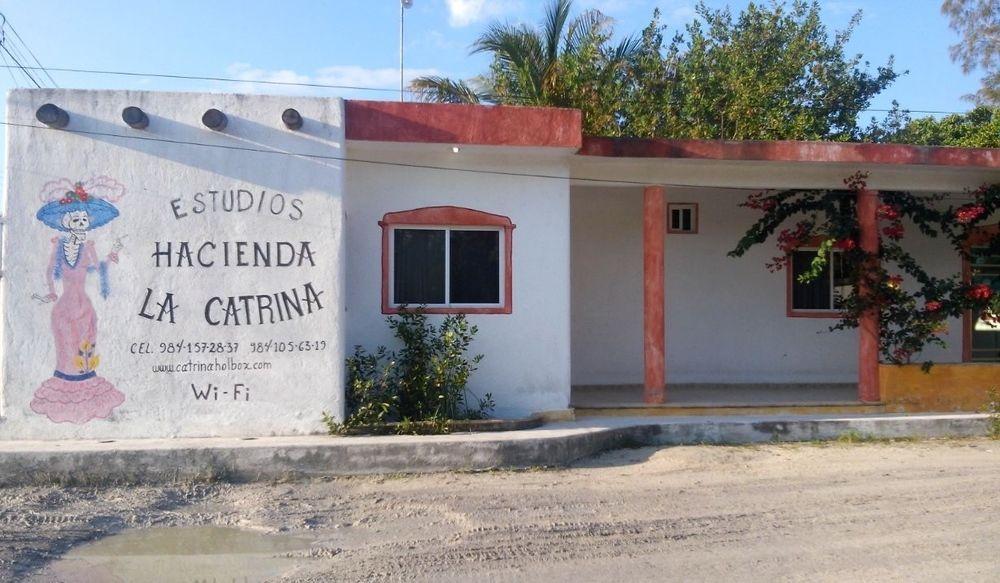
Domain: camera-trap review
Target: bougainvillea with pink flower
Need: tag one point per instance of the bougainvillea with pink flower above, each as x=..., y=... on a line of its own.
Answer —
x=913, y=305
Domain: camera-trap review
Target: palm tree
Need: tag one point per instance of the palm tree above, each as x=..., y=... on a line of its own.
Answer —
x=559, y=64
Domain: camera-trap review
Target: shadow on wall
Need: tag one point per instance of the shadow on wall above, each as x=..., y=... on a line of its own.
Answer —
x=277, y=165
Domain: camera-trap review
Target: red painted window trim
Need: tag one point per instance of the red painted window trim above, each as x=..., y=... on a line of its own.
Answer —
x=697, y=212
x=790, y=312
x=979, y=236
x=452, y=217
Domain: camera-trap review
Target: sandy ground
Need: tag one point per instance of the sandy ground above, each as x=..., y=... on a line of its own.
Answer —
x=912, y=511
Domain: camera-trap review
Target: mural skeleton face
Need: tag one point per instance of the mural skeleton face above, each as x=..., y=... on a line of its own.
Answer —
x=78, y=222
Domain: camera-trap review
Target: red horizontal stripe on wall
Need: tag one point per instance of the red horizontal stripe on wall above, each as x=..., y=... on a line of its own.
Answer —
x=443, y=123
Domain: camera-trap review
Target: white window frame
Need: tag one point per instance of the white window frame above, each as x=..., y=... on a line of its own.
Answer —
x=977, y=323
x=691, y=207
x=501, y=272
x=793, y=278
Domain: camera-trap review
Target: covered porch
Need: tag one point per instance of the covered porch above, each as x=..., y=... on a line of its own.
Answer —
x=663, y=322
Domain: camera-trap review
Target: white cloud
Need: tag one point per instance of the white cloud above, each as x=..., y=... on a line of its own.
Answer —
x=355, y=76
x=682, y=14
x=841, y=8
x=466, y=12
x=247, y=72
x=346, y=76
x=612, y=6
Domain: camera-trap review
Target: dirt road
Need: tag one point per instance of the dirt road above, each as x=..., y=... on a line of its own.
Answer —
x=921, y=511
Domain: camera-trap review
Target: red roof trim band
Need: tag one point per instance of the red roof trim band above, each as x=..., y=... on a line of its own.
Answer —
x=549, y=127
x=791, y=151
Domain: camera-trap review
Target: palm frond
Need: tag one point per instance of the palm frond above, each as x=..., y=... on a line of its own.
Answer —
x=584, y=29
x=436, y=89
x=626, y=49
x=556, y=15
x=518, y=46
x=519, y=53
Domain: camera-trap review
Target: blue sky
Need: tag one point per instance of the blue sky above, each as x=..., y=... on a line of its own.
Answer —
x=355, y=42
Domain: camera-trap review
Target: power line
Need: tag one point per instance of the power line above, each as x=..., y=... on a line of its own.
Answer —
x=10, y=50
x=223, y=79
x=10, y=70
x=353, y=87
x=10, y=25
x=396, y=164
x=20, y=66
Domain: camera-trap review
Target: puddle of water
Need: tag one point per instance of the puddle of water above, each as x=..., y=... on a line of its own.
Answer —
x=209, y=554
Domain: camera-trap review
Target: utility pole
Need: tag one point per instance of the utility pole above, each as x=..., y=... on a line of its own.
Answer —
x=403, y=5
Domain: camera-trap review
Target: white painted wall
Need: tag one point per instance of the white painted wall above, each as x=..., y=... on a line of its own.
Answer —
x=156, y=168
x=607, y=315
x=527, y=360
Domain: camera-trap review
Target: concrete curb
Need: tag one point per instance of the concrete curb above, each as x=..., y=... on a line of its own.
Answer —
x=158, y=461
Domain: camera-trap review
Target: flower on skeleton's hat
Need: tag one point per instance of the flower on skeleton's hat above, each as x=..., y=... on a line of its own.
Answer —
x=79, y=193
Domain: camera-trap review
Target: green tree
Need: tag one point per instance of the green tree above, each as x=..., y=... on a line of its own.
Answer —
x=772, y=72
x=979, y=128
x=978, y=24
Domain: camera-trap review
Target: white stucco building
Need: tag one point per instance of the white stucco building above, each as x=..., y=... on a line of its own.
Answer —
x=594, y=268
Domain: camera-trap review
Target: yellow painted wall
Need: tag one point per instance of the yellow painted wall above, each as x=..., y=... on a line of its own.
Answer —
x=947, y=387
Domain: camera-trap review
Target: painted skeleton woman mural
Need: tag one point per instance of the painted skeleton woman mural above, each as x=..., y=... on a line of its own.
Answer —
x=75, y=393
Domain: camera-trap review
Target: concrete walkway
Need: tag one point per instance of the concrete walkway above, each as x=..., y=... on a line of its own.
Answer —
x=277, y=458
x=719, y=395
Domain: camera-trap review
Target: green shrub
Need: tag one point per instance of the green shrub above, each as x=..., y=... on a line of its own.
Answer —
x=424, y=381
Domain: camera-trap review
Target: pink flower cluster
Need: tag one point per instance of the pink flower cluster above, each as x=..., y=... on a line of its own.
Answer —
x=980, y=292
x=894, y=231
x=791, y=239
x=788, y=240
x=760, y=201
x=970, y=212
x=888, y=212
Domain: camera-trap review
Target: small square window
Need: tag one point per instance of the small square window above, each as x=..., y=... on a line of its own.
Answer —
x=682, y=217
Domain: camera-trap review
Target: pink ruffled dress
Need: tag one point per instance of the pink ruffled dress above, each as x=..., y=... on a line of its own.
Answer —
x=75, y=393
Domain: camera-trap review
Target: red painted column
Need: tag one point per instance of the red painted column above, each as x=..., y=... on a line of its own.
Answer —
x=654, y=229
x=868, y=338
